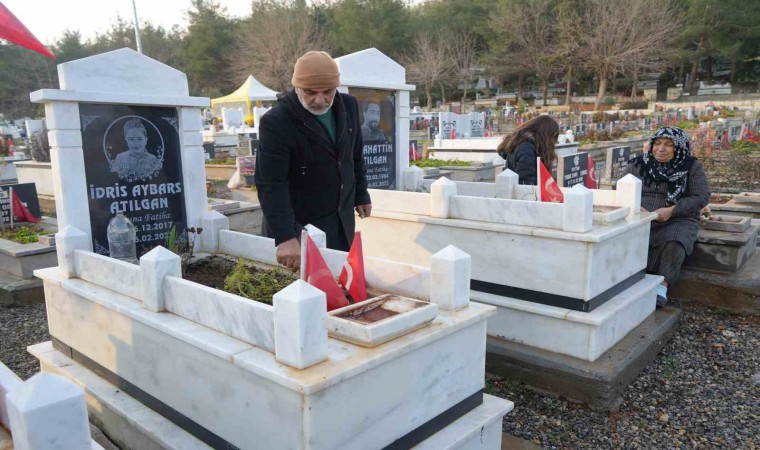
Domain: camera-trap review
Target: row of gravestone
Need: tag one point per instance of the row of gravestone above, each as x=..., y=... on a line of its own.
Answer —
x=574, y=168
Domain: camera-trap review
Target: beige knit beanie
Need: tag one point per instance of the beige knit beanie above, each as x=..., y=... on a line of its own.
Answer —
x=316, y=70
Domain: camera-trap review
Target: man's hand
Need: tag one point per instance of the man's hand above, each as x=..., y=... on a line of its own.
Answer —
x=364, y=211
x=664, y=214
x=289, y=254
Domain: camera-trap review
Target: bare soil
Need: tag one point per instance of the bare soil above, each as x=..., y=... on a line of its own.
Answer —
x=209, y=271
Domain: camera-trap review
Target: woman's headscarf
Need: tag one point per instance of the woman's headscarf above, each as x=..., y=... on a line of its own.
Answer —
x=674, y=172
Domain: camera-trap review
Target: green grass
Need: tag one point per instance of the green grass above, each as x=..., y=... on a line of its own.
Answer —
x=428, y=162
x=22, y=235
x=255, y=283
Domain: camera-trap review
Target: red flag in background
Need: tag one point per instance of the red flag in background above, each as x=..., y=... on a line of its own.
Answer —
x=317, y=274
x=352, y=276
x=19, y=211
x=592, y=181
x=414, y=155
x=550, y=191
x=453, y=134
x=11, y=29
x=724, y=143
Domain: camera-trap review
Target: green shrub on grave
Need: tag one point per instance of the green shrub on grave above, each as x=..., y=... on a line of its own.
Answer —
x=428, y=162
x=746, y=147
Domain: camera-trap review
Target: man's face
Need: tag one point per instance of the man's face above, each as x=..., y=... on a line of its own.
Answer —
x=316, y=101
x=372, y=115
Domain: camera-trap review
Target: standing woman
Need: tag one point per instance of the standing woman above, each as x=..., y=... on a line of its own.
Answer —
x=535, y=138
x=674, y=185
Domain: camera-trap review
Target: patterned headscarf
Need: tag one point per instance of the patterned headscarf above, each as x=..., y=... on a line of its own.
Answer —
x=674, y=172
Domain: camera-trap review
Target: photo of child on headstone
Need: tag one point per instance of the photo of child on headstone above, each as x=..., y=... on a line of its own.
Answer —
x=136, y=163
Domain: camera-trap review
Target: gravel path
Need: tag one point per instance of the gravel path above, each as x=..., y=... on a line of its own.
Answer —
x=702, y=391
x=20, y=327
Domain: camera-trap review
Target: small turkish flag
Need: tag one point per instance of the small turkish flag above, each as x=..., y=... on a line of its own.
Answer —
x=550, y=191
x=453, y=134
x=317, y=274
x=592, y=181
x=352, y=276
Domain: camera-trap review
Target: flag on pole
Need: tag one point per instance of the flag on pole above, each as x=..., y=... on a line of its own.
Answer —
x=11, y=29
x=592, y=181
x=352, y=276
x=414, y=155
x=315, y=272
x=19, y=211
x=548, y=188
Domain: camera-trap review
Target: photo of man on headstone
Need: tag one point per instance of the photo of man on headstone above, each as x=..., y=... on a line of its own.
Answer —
x=136, y=163
x=371, y=126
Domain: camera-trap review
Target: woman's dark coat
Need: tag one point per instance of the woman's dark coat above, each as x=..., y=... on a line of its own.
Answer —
x=522, y=161
x=683, y=226
x=303, y=178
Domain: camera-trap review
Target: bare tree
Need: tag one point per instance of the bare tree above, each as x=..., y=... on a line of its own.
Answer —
x=427, y=62
x=530, y=39
x=272, y=39
x=614, y=36
x=464, y=57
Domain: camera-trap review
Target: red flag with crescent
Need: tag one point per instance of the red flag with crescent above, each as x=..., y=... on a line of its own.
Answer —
x=592, y=181
x=550, y=191
x=317, y=274
x=352, y=276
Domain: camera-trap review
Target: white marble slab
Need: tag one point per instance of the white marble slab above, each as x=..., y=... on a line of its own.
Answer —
x=475, y=189
x=248, y=246
x=250, y=321
x=400, y=201
x=104, y=399
x=582, y=335
x=158, y=362
x=579, y=265
x=479, y=429
x=410, y=315
x=504, y=211
x=120, y=276
x=122, y=70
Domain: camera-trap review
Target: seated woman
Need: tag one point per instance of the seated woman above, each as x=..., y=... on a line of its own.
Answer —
x=535, y=138
x=674, y=185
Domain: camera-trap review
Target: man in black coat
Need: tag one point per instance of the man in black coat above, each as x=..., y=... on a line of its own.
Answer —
x=309, y=165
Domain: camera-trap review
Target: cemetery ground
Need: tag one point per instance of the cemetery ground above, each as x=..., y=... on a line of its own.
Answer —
x=702, y=391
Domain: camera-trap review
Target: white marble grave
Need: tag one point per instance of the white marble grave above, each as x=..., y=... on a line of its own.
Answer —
x=220, y=360
x=576, y=267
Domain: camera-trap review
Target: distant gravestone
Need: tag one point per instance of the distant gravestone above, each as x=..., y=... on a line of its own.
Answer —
x=580, y=130
x=572, y=169
x=232, y=118
x=734, y=133
x=617, y=161
x=27, y=193
x=133, y=165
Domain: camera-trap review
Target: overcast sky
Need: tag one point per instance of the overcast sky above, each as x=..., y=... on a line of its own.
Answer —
x=47, y=19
